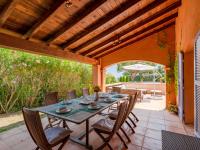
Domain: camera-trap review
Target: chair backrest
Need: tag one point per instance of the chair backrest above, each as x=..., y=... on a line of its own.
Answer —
x=51, y=98
x=71, y=94
x=121, y=114
x=116, y=89
x=135, y=99
x=85, y=91
x=131, y=103
x=34, y=126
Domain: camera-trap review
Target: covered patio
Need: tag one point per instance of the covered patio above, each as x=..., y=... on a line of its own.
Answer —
x=153, y=119
x=105, y=32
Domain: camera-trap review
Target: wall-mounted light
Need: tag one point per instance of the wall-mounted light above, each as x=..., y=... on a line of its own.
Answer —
x=68, y=3
x=117, y=41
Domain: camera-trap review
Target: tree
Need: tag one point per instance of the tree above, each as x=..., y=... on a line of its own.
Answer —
x=146, y=76
x=110, y=78
x=25, y=78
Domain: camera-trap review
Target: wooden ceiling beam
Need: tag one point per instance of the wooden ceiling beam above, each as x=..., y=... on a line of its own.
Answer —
x=112, y=14
x=122, y=23
x=17, y=43
x=37, y=26
x=136, y=40
x=136, y=26
x=82, y=13
x=138, y=33
x=7, y=10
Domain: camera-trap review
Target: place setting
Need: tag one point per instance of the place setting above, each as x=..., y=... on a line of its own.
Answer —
x=63, y=110
x=94, y=106
x=66, y=102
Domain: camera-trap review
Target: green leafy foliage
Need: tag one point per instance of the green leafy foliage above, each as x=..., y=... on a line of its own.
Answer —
x=141, y=76
x=176, y=74
x=110, y=78
x=125, y=78
x=173, y=108
x=25, y=78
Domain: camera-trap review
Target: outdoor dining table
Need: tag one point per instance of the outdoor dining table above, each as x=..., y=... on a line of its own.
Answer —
x=80, y=113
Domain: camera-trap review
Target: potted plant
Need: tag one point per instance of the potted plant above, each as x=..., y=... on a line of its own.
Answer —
x=173, y=108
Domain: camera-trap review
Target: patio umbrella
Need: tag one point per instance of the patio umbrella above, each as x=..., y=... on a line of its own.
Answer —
x=136, y=68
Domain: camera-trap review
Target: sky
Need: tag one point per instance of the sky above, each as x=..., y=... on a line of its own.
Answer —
x=113, y=70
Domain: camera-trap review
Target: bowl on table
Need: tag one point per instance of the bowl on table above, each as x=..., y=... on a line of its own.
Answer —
x=66, y=102
x=118, y=96
x=94, y=106
x=63, y=109
x=85, y=102
x=103, y=95
x=108, y=100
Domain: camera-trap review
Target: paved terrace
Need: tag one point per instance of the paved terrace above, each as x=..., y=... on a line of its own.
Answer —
x=153, y=119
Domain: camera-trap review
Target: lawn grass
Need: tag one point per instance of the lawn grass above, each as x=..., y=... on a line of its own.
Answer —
x=16, y=124
x=11, y=126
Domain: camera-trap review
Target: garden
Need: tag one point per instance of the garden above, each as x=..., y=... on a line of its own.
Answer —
x=25, y=78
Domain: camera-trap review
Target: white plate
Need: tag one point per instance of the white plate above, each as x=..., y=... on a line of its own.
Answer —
x=66, y=110
x=108, y=100
x=85, y=102
x=67, y=102
x=94, y=107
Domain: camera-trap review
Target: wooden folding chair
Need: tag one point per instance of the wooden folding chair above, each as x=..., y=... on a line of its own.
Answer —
x=44, y=139
x=71, y=94
x=85, y=92
x=52, y=98
x=116, y=90
x=114, y=114
x=110, y=127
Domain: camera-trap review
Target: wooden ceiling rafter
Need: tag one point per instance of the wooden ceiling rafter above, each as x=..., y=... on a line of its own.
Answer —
x=136, y=26
x=112, y=14
x=136, y=40
x=122, y=23
x=7, y=10
x=162, y=21
x=17, y=43
x=82, y=13
x=38, y=25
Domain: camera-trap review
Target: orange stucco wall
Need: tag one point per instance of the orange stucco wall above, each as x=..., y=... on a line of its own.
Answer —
x=148, y=49
x=187, y=26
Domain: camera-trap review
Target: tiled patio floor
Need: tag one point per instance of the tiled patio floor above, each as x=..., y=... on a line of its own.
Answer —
x=153, y=118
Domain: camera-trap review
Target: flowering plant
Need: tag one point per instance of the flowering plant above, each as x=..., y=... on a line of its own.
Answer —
x=96, y=88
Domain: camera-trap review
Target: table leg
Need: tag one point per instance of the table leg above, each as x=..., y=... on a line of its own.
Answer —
x=87, y=132
x=84, y=134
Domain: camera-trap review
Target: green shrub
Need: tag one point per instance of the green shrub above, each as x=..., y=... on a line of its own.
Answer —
x=110, y=79
x=25, y=78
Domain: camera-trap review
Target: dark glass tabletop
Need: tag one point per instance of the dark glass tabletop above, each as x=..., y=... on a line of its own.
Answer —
x=80, y=112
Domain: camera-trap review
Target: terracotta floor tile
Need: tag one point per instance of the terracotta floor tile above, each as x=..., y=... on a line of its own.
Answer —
x=159, y=121
x=155, y=134
x=142, y=123
x=143, y=118
x=157, y=117
x=172, y=118
x=152, y=144
x=174, y=124
x=145, y=148
x=156, y=126
x=137, y=139
x=134, y=147
x=4, y=146
x=176, y=130
x=140, y=130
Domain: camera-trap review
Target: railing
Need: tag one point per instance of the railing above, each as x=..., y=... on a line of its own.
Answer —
x=140, y=85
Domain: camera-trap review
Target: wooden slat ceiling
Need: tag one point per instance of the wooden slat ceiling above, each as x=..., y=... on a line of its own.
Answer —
x=88, y=27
